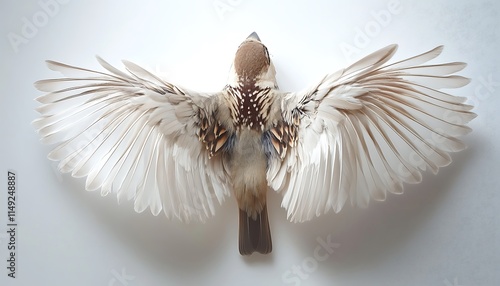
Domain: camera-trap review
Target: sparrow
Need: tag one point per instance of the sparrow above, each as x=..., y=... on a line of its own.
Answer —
x=357, y=134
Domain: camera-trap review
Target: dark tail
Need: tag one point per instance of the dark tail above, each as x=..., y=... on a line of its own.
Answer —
x=255, y=234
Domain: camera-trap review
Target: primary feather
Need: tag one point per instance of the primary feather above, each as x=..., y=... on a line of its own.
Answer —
x=367, y=129
x=127, y=133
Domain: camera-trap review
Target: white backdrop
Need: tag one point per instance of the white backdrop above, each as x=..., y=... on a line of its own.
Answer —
x=444, y=231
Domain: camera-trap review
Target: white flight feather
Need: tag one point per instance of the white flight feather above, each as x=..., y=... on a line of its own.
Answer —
x=380, y=125
x=133, y=134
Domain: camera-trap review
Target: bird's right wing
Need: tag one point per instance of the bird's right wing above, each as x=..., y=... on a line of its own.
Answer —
x=136, y=135
x=365, y=130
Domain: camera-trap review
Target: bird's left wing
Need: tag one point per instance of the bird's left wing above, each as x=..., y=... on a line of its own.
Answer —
x=136, y=135
x=364, y=131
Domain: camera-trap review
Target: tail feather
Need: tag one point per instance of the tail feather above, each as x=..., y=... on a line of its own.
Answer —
x=255, y=234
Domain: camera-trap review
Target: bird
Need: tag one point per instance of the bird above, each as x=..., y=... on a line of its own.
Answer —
x=354, y=136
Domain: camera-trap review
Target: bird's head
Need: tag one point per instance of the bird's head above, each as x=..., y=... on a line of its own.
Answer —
x=253, y=64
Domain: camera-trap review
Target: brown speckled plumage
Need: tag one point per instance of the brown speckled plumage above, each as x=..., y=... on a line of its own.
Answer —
x=356, y=135
x=250, y=107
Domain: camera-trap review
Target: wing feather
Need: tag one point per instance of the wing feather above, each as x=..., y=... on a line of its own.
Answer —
x=133, y=134
x=367, y=129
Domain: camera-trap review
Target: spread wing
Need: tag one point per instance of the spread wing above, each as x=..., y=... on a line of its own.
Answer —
x=365, y=130
x=133, y=134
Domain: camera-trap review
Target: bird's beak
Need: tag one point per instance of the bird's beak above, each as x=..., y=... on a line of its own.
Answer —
x=253, y=36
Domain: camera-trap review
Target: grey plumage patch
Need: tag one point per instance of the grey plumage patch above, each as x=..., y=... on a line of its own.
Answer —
x=267, y=145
